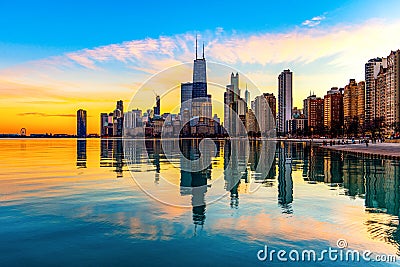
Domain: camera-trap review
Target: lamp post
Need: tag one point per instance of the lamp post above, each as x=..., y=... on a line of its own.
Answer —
x=312, y=135
x=342, y=132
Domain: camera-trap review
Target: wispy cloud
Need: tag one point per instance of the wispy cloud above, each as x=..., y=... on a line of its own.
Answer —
x=303, y=45
x=43, y=102
x=40, y=114
x=119, y=69
x=314, y=21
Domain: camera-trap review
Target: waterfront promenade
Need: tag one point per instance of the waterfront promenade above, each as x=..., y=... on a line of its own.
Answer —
x=385, y=150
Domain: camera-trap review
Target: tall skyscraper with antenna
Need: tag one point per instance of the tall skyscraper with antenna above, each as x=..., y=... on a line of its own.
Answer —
x=201, y=101
x=199, y=76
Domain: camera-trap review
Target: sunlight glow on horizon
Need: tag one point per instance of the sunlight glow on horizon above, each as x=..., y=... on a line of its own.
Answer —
x=42, y=95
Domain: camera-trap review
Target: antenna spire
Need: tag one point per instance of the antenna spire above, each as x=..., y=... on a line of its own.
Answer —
x=203, y=50
x=196, y=45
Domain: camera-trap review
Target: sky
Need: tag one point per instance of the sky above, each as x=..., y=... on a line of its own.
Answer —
x=59, y=56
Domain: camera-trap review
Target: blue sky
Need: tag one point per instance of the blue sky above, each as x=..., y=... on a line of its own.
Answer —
x=59, y=56
x=34, y=29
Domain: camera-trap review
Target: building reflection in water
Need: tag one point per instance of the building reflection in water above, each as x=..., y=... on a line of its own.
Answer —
x=196, y=170
x=191, y=154
x=81, y=153
x=112, y=155
x=155, y=153
x=375, y=180
x=285, y=182
x=262, y=161
x=246, y=163
x=233, y=170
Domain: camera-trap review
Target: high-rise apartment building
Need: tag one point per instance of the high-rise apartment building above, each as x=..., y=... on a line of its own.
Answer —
x=333, y=111
x=392, y=96
x=382, y=92
x=271, y=100
x=372, y=96
x=354, y=106
x=264, y=106
x=251, y=122
x=285, y=100
x=315, y=113
x=379, y=110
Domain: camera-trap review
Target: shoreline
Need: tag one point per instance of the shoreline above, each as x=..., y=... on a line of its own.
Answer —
x=378, y=150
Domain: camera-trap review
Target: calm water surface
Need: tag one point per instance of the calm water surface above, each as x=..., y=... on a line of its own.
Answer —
x=75, y=202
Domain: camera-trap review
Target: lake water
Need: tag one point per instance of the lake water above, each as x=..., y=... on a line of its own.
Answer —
x=98, y=202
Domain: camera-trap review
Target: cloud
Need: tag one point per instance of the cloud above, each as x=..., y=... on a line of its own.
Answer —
x=345, y=45
x=43, y=102
x=40, y=114
x=314, y=21
x=336, y=53
x=219, y=30
x=297, y=46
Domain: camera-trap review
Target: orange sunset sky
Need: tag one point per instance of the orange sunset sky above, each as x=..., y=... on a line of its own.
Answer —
x=42, y=87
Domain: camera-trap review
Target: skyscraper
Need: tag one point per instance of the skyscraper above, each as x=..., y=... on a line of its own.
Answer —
x=263, y=111
x=81, y=123
x=228, y=108
x=285, y=100
x=199, y=68
x=315, y=113
x=247, y=97
x=372, y=69
x=354, y=106
x=186, y=97
x=103, y=124
x=157, y=108
x=120, y=105
x=118, y=119
x=235, y=86
x=382, y=96
x=235, y=108
x=251, y=123
x=199, y=76
x=271, y=100
x=393, y=91
x=200, y=98
x=379, y=111
x=333, y=111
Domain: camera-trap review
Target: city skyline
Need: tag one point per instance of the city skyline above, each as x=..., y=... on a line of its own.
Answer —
x=340, y=111
x=264, y=132
x=44, y=80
